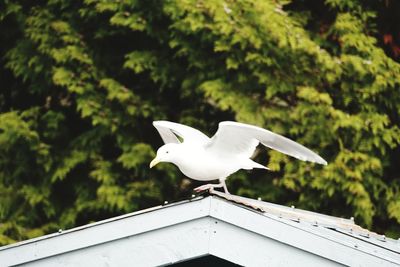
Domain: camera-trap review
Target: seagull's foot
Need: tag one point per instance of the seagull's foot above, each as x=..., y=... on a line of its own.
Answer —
x=211, y=187
x=205, y=187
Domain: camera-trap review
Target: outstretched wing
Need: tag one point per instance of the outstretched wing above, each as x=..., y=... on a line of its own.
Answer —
x=242, y=139
x=170, y=130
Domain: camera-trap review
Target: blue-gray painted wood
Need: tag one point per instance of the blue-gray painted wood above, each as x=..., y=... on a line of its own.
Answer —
x=190, y=229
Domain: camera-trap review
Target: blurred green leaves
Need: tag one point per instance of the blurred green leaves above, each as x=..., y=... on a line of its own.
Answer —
x=83, y=82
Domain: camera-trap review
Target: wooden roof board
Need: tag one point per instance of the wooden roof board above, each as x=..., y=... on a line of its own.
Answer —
x=209, y=225
x=304, y=217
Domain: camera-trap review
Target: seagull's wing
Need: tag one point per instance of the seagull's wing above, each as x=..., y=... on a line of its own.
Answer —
x=242, y=139
x=170, y=130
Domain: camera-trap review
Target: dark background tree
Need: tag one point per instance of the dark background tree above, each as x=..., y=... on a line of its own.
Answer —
x=82, y=81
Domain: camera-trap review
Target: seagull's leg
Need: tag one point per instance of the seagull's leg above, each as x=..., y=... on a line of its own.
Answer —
x=222, y=181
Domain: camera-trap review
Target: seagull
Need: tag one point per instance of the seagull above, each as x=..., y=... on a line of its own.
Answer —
x=229, y=150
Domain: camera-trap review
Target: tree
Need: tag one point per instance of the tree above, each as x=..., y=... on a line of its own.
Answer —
x=82, y=82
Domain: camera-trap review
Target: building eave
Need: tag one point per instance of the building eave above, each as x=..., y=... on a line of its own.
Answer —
x=211, y=225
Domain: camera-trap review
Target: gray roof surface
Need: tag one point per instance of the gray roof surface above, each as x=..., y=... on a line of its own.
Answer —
x=303, y=217
x=216, y=224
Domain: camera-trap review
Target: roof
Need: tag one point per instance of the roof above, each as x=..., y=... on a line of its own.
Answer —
x=237, y=229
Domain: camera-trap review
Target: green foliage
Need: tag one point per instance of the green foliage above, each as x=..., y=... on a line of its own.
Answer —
x=83, y=81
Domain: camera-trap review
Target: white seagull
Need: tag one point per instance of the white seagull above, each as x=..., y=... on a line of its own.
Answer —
x=229, y=150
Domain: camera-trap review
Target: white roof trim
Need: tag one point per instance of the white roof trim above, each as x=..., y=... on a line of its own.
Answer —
x=189, y=229
x=306, y=218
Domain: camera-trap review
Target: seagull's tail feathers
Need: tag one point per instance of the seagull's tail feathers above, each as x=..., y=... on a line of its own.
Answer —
x=252, y=164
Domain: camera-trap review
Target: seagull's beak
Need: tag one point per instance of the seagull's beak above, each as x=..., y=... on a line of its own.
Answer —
x=154, y=162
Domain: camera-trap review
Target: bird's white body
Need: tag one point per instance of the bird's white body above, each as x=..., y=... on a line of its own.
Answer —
x=229, y=150
x=195, y=162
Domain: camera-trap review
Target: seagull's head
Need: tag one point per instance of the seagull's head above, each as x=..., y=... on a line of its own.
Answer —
x=166, y=153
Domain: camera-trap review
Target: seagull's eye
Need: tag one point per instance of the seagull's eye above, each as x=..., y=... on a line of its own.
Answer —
x=167, y=152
